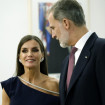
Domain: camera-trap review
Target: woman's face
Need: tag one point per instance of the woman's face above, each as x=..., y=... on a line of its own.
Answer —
x=30, y=54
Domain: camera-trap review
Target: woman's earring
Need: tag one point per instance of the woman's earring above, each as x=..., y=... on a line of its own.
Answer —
x=42, y=59
x=19, y=60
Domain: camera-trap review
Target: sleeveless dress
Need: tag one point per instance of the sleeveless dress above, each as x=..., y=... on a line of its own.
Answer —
x=21, y=94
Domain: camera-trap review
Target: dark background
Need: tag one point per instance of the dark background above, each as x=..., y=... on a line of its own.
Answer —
x=56, y=57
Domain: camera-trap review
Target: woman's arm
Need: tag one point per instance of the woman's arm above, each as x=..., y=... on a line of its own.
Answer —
x=5, y=98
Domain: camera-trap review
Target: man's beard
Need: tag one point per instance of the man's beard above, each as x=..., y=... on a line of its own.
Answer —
x=63, y=45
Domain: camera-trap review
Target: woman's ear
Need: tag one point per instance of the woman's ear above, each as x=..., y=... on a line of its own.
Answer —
x=66, y=23
x=42, y=55
x=19, y=59
x=42, y=58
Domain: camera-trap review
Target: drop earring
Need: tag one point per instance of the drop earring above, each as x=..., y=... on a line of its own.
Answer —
x=42, y=59
x=19, y=60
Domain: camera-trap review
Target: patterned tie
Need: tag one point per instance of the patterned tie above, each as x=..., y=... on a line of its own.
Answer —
x=71, y=65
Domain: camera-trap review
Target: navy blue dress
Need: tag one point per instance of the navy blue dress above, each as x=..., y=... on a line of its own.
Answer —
x=21, y=94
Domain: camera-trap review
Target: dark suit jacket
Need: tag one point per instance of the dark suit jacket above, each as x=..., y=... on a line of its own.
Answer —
x=87, y=85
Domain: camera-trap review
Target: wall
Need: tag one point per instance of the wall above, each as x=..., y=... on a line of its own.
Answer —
x=13, y=25
x=97, y=17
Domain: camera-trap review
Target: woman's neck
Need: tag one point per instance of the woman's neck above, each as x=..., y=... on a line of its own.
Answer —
x=32, y=75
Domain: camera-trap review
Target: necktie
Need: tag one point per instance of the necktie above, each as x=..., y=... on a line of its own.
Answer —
x=71, y=65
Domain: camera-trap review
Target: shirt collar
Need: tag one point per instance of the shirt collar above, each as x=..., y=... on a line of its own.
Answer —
x=80, y=44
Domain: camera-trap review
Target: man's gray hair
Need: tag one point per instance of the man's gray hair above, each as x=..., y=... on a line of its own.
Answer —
x=69, y=9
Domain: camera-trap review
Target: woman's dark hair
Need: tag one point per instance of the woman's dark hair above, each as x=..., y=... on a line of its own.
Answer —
x=43, y=64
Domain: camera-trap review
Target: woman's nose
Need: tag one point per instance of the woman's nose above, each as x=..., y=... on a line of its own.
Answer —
x=30, y=53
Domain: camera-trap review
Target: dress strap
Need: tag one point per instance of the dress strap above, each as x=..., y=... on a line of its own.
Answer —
x=38, y=86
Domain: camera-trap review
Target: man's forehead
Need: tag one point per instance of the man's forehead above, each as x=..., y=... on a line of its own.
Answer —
x=50, y=16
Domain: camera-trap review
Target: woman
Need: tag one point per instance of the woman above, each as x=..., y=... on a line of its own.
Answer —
x=32, y=85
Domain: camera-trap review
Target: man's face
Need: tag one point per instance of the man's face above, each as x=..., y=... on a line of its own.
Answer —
x=58, y=31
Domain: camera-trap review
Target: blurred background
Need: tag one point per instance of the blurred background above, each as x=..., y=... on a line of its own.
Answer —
x=22, y=17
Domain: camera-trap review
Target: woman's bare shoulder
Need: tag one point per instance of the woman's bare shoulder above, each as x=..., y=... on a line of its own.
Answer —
x=53, y=83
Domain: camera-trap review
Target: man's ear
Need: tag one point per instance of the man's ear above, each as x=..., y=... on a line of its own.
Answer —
x=66, y=23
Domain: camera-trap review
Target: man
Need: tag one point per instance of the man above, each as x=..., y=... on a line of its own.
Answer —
x=87, y=83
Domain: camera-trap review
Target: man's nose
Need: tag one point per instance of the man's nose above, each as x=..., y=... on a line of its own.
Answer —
x=53, y=35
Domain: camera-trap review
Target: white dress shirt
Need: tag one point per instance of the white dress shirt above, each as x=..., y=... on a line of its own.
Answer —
x=80, y=44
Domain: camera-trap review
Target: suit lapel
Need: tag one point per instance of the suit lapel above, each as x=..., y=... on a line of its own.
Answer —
x=82, y=61
x=63, y=80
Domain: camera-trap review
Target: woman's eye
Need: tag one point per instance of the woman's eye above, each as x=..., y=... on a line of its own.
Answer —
x=35, y=50
x=24, y=51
